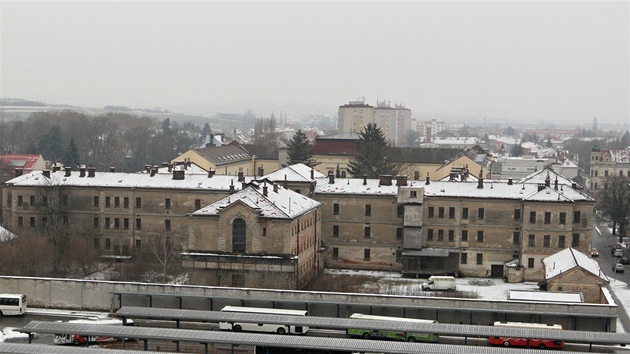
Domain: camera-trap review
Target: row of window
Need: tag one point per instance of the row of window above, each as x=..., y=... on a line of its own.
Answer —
x=367, y=231
x=400, y=210
x=108, y=244
x=479, y=256
x=95, y=201
x=32, y=223
x=367, y=254
x=594, y=173
x=481, y=214
x=20, y=200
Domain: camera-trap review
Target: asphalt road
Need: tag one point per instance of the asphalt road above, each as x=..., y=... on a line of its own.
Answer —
x=603, y=240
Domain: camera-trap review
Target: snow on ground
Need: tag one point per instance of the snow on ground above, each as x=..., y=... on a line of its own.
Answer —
x=9, y=334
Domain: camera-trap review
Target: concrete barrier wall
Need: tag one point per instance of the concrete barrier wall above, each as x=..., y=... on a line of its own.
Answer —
x=97, y=295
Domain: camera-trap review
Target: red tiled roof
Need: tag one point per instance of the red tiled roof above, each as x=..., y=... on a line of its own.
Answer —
x=335, y=147
x=23, y=161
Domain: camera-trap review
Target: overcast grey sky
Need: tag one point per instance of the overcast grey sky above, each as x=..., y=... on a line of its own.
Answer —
x=539, y=61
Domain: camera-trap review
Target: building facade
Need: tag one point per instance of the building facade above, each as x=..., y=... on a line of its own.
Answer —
x=607, y=163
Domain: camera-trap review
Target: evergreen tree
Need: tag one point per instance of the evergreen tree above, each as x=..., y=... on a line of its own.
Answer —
x=517, y=150
x=71, y=157
x=206, y=130
x=301, y=150
x=50, y=144
x=625, y=140
x=374, y=156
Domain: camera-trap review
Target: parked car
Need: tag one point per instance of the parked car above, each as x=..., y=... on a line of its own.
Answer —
x=594, y=252
x=617, y=246
x=618, y=252
x=619, y=268
x=624, y=260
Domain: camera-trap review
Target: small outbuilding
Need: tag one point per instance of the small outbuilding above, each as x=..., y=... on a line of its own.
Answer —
x=572, y=271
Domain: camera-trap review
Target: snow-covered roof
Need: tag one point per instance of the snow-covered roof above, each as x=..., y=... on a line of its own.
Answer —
x=555, y=296
x=568, y=259
x=6, y=235
x=294, y=173
x=542, y=175
x=280, y=203
x=129, y=180
x=355, y=186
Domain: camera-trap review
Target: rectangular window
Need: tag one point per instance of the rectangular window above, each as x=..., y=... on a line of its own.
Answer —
x=336, y=209
x=606, y=173
x=531, y=241
x=335, y=252
x=400, y=211
x=32, y=221
x=547, y=217
x=32, y=200
x=126, y=223
x=398, y=256
x=561, y=241
x=96, y=221
x=126, y=202
x=441, y=212
x=431, y=212
x=167, y=225
x=107, y=202
x=532, y=217
x=576, y=217
x=44, y=200
x=20, y=200
x=575, y=240
x=20, y=221
x=465, y=235
x=108, y=244
x=264, y=231
x=430, y=234
x=64, y=200
x=451, y=235
x=117, y=202
x=138, y=244
x=167, y=203
x=516, y=237
x=517, y=214
x=368, y=210
x=117, y=223
x=366, y=254
x=97, y=243
x=107, y=223
x=336, y=230
x=9, y=200
x=44, y=221
x=399, y=233
x=95, y=201
x=440, y=235
x=479, y=258
x=138, y=202
x=562, y=218
x=481, y=213
x=546, y=241
x=464, y=258
x=367, y=231
x=480, y=236
x=197, y=204
x=464, y=213
x=138, y=224
x=413, y=194
x=451, y=213
x=530, y=263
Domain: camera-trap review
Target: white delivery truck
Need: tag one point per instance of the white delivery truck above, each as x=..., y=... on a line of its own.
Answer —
x=439, y=282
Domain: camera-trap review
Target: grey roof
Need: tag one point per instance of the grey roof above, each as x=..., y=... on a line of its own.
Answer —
x=22, y=348
x=340, y=136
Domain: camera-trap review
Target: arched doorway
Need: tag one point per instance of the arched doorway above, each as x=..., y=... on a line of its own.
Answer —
x=239, y=231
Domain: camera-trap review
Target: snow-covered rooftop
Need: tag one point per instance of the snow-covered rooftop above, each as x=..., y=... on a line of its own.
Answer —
x=279, y=202
x=568, y=259
x=294, y=173
x=354, y=186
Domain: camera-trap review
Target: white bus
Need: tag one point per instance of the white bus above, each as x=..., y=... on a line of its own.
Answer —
x=77, y=339
x=12, y=304
x=262, y=327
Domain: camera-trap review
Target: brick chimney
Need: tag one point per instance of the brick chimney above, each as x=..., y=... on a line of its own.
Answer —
x=261, y=171
x=211, y=173
x=265, y=189
x=154, y=171
x=91, y=171
x=177, y=174
x=46, y=173
x=364, y=179
x=312, y=173
x=555, y=184
x=112, y=169
x=428, y=180
x=331, y=177
x=18, y=172
x=480, y=182
x=401, y=180
x=548, y=180
x=231, y=186
x=386, y=180
x=510, y=182
x=241, y=177
x=275, y=187
x=56, y=168
x=147, y=168
x=243, y=185
x=68, y=171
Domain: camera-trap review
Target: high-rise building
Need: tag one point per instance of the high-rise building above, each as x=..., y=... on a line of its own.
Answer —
x=354, y=116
